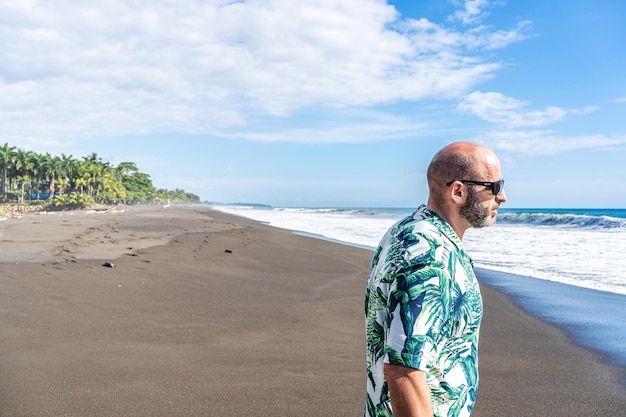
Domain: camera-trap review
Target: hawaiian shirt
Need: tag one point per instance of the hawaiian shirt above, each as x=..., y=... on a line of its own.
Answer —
x=423, y=310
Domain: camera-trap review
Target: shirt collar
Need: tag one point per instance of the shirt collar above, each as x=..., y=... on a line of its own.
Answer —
x=443, y=226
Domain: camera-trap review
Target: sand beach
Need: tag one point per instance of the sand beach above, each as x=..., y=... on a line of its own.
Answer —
x=201, y=313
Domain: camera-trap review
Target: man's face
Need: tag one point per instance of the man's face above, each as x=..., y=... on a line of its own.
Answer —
x=480, y=208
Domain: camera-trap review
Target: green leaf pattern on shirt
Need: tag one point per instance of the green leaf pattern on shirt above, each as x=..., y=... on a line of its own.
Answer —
x=423, y=310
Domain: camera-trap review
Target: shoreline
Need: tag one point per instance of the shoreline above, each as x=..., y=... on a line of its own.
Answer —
x=206, y=313
x=590, y=318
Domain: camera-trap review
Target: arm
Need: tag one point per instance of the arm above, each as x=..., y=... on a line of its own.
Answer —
x=410, y=395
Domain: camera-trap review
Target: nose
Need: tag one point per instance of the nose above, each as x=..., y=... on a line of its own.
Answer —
x=501, y=197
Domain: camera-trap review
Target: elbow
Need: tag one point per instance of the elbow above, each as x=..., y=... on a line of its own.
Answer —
x=395, y=372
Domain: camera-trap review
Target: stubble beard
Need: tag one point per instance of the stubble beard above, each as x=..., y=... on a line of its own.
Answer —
x=475, y=213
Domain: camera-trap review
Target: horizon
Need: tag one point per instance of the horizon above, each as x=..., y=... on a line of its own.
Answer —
x=507, y=208
x=324, y=103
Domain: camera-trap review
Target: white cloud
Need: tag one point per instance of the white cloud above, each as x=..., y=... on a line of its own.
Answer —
x=92, y=69
x=502, y=110
x=428, y=38
x=473, y=11
x=546, y=142
x=483, y=37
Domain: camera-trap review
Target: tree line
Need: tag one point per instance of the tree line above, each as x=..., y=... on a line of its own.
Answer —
x=67, y=181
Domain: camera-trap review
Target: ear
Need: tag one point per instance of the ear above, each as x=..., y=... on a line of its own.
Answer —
x=457, y=193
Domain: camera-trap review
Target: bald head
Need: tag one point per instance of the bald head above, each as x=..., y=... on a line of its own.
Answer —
x=458, y=202
x=457, y=161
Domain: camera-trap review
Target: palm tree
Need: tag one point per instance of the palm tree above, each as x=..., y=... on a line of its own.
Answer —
x=21, y=168
x=62, y=183
x=98, y=172
x=22, y=180
x=89, y=175
x=23, y=164
x=92, y=159
x=68, y=164
x=113, y=189
x=6, y=160
x=22, y=161
x=53, y=169
x=81, y=182
x=38, y=169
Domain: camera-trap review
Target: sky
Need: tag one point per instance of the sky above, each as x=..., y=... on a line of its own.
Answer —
x=323, y=103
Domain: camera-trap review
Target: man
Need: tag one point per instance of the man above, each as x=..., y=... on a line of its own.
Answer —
x=423, y=305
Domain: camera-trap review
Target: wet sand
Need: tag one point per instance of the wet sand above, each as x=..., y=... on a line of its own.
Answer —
x=206, y=314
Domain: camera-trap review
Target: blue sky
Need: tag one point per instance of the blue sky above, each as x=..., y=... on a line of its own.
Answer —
x=325, y=102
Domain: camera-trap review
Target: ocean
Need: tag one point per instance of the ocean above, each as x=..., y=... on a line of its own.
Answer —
x=565, y=266
x=577, y=247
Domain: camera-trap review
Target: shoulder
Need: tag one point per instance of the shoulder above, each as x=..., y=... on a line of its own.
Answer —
x=412, y=239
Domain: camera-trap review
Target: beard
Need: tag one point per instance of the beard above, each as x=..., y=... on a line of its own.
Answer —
x=475, y=213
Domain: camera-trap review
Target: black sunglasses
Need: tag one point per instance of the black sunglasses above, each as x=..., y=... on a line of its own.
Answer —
x=495, y=186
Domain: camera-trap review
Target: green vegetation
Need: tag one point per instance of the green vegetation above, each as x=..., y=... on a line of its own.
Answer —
x=68, y=182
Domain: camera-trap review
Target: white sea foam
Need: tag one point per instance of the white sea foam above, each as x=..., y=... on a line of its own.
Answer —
x=583, y=250
x=583, y=257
